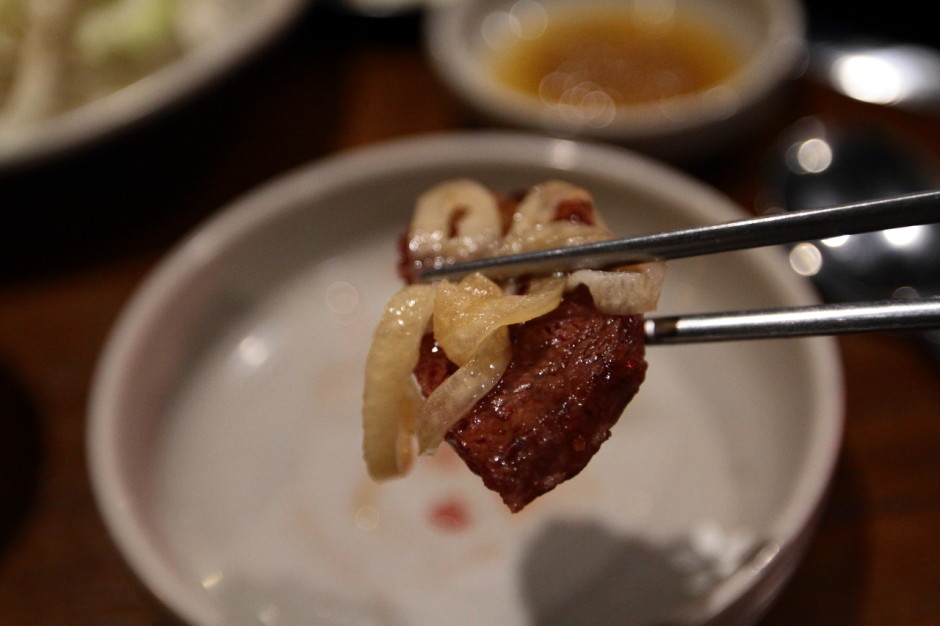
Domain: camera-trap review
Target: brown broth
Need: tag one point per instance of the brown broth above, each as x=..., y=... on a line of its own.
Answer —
x=617, y=55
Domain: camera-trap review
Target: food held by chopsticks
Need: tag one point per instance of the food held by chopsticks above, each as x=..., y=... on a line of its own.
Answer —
x=523, y=377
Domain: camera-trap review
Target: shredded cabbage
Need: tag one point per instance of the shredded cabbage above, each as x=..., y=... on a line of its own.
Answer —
x=56, y=55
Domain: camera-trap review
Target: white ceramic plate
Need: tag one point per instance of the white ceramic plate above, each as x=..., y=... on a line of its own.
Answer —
x=225, y=430
x=152, y=94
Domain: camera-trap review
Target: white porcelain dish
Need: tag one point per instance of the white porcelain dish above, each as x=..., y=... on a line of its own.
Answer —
x=224, y=434
x=768, y=35
x=258, y=23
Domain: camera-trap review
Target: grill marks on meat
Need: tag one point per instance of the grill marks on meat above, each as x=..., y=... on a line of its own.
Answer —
x=572, y=373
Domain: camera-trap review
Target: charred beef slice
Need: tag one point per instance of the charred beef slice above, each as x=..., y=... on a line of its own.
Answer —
x=572, y=373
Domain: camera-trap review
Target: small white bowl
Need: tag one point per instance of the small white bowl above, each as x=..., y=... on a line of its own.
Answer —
x=224, y=433
x=768, y=35
x=150, y=95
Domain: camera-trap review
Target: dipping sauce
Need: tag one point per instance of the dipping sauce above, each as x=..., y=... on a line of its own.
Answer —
x=611, y=57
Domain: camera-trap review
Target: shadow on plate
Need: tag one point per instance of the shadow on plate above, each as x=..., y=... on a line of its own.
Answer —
x=582, y=573
x=579, y=572
x=20, y=456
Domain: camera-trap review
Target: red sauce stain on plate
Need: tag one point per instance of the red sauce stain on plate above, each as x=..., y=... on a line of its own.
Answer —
x=451, y=515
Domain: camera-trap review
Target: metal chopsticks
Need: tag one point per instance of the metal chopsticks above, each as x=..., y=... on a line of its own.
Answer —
x=828, y=319
x=766, y=230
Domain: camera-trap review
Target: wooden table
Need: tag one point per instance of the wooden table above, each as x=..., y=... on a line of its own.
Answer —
x=80, y=233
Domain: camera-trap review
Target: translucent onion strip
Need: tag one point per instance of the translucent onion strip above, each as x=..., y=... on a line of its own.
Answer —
x=458, y=393
x=391, y=399
x=534, y=226
x=467, y=312
x=540, y=206
x=456, y=220
x=629, y=291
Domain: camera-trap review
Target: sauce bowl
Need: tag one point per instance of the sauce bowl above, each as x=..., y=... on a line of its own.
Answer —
x=467, y=42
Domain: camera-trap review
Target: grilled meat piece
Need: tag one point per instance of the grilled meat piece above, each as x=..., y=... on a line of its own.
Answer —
x=572, y=373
